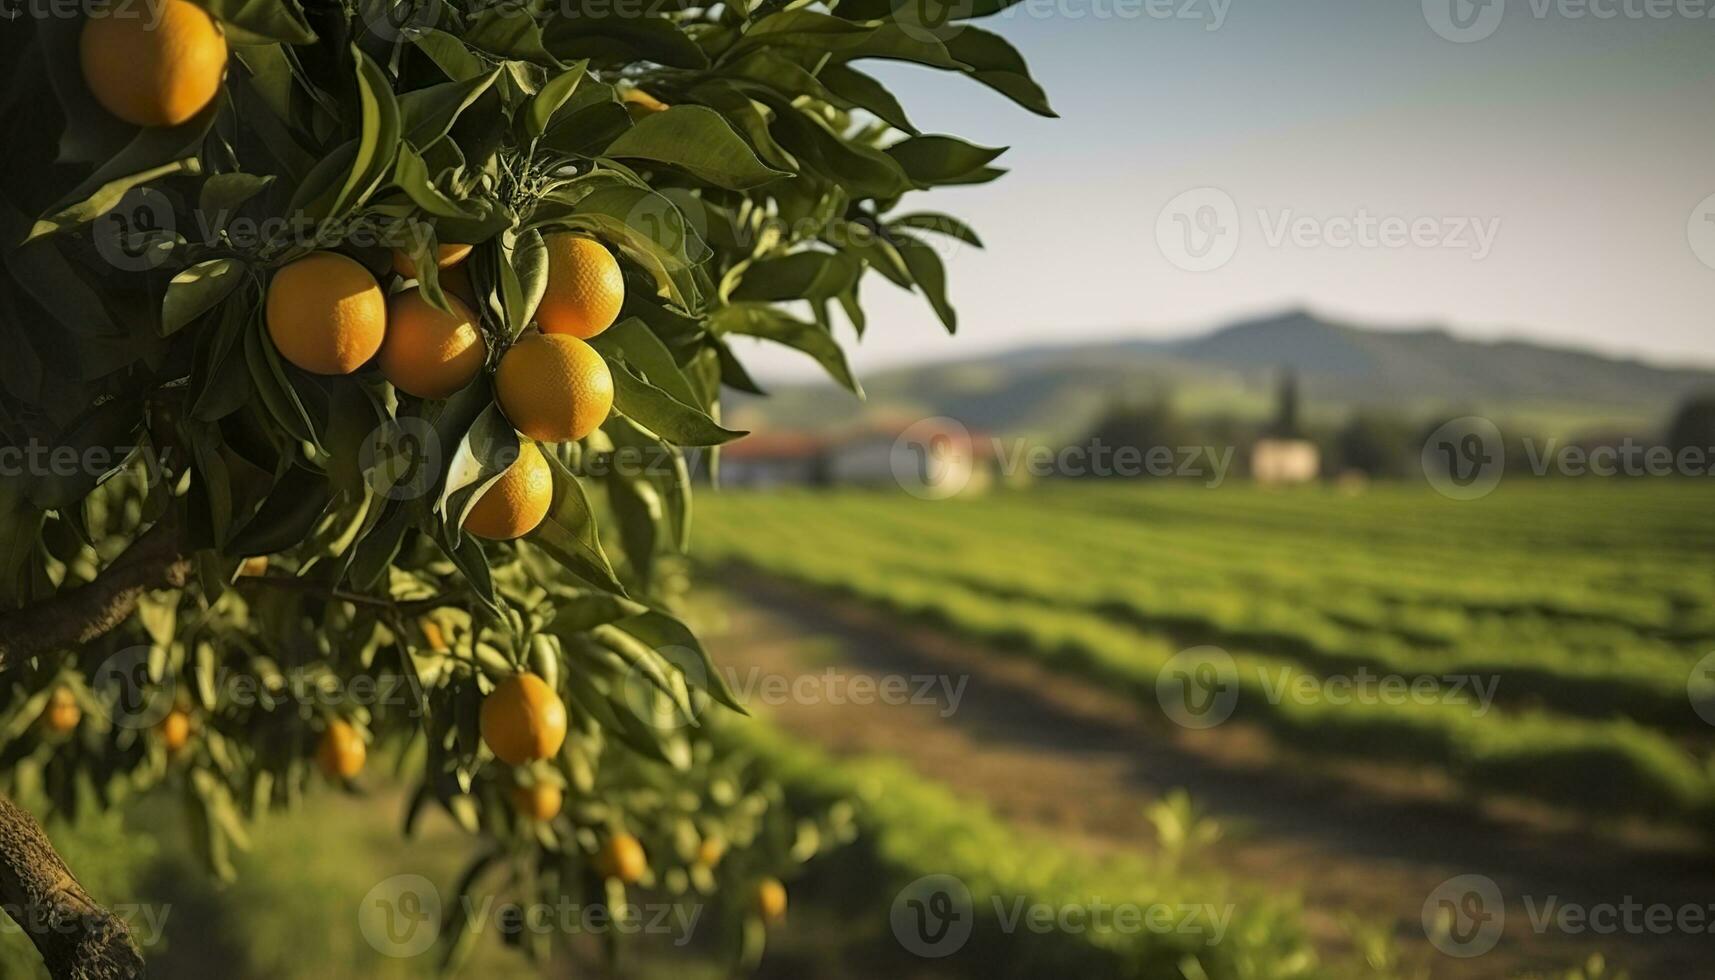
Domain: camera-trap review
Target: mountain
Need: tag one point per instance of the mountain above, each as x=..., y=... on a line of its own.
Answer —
x=1341, y=367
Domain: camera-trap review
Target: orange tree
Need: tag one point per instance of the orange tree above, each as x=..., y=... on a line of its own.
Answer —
x=332, y=329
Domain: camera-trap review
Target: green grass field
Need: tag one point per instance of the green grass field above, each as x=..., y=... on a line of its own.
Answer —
x=1547, y=632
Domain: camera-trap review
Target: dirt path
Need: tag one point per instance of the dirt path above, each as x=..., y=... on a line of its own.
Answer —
x=1057, y=754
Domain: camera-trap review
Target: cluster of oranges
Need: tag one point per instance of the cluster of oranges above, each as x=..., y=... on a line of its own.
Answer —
x=328, y=315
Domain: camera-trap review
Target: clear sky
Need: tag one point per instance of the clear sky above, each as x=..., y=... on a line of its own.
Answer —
x=1553, y=170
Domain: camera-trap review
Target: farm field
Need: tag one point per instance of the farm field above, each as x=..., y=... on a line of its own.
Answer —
x=1537, y=644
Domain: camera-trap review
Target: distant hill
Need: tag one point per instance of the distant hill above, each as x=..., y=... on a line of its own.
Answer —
x=1058, y=390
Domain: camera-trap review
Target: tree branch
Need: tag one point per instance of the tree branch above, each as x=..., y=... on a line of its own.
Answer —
x=405, y=607
x=77, y=938
x=87, y=612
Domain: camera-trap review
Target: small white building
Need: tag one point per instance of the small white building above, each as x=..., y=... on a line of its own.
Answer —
x=1285, y=462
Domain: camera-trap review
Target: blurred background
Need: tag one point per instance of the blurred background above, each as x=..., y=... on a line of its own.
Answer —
x=1304, y=543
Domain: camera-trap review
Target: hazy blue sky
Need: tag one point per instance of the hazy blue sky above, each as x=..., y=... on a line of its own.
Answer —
x=1582, y=145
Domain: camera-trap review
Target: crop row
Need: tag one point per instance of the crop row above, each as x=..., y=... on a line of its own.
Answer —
x=1598, y=766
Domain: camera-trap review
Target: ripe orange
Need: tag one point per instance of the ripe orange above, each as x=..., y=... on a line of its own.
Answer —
x=771, y=900
x=554, y=388
x=63, y=714
x=175, y=730
x=428, y=352
x=622, y=857
x=523, y=720
x=446, y=257
x=585, y=287
x=538, y=801
x=513, y=505
x=326, y=313
x=341, y=751
x=253, y=567
x=151, y=73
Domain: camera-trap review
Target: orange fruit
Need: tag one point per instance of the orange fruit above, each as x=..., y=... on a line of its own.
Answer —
x=771, y=900
x=446, y=257
x=513, y=505
x=523, y=720
x=428, y=352
x=538, y=801
x=622, y=857
x=175, y=730
x=253, y=567
x=341, y=751
x=326, y=313
x=149, y=71
x=554, y=388
x=63, y=714
x=585, y=287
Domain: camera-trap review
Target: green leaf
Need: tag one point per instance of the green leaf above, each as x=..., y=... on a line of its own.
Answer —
x=811, y=275
x=454, y=59
x=699, y=141
x=429, y=113
x=997, y=64
x=485, y=451
x=930, y=276
x=286, y=517
x=662, y=631
x=569, y=534
x=105, y=197
x=261, y=21
x=378, y=137
x=510, y=31
x=856, y=89
x=633, y=341
x=940, y=159
x=937, y=222
x=662, y=414
x=197, y=290
x=542, y=107
x=223, y=194
x=760, y=320
x=616, y=39
x=587, y=610
x=411, y=175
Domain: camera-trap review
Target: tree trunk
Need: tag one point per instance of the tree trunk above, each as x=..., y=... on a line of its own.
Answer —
x=78, y=939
